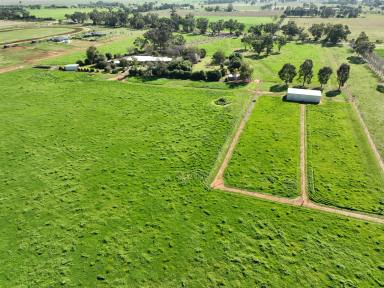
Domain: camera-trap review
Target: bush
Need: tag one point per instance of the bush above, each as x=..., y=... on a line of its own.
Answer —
x=222, y=101
x=108, y=55
x=380, y=87
x=87, y=62
x=218, y=58
x=101, y=65
x=213, y=75
x=80, y=62
x=203, y=53
x=107, y=69
x=115, y=71
x=199, y=76
x=177, y=64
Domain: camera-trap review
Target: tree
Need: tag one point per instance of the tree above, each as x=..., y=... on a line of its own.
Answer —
x=306, y=71
x=217, y=27
x=189, y=23
x=281, y=41
x=343, y=74
x=219, y=57
x=287, y=73
x=230, y=7
x=256, y=30
x=231, y=25
x=258, y=46
x=317, y=31
x=246, y=71
x=91, y=54
x=247, y=41
x=160, y=36
x=290, y=29
x=323, y=75
x=140, y=43
x=271, y=28
x=267, y=43
x=336, y=33
x=202, y=25
x=362, y=44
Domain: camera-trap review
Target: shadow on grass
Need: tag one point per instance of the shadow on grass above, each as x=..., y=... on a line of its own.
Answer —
x=284, y=99
x=256, y=57
x=278, y=88
x=356, y=60
x=233, y=85
x=333, y=93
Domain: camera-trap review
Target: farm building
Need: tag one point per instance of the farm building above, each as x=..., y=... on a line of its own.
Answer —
x=303, y=95
x=61, y=39
x=71, y=67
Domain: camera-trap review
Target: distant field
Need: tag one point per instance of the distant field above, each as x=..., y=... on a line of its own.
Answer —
x=267, y=157
x=342, y=169
x=118, y=46
x=57, y=13
x=29, y=33
x=372, y=25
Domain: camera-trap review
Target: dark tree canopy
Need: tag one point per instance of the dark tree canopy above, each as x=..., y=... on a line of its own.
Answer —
x=287, y=73
x=343, y=74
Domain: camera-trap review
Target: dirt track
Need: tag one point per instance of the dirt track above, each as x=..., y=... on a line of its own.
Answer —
x=303, y=200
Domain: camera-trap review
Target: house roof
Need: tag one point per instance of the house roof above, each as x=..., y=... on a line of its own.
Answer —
x=144, y=58
x=304, y=92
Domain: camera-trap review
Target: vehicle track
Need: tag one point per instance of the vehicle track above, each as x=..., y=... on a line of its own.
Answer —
x=303, y=200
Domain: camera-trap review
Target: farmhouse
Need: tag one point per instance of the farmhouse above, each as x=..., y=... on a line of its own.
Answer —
x=71, y=67
x=304, y=95
x=148, y=59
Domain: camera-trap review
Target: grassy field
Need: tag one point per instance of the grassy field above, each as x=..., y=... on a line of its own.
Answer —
x=267, y=157
x=25, y=53
x=119, y=45
x=30, y=33
x=341, y=167
x=380, y=52
x=104, y=184
x=371, y=24
x=57, y=13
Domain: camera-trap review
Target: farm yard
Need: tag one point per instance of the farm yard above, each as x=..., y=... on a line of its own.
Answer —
x=127, y=173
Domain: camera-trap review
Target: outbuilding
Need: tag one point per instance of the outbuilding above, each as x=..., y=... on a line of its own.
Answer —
x=304, y=95
x=145, y=58
x=71, y=67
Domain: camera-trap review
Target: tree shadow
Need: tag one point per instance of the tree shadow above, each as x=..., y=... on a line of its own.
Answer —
x=333, y=93
x=356, y=60
x=278, y=88
x=256, y=57
x=233, y=85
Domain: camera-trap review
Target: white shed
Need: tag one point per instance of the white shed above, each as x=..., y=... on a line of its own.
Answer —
x=71, y=67
x=304, y=95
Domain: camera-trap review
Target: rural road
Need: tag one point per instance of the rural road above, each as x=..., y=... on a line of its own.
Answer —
x=303, y=200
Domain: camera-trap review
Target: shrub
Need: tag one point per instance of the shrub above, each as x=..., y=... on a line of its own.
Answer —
x=87, y=62
x=380, y=87
x=213, y=75
x=222, y=101
x=101, y=65
x=203, y=53
x=108, y=55
x=218, y=58
x=107, y=69
x=178, y=64
x=199, y=76
x=80, y=62
x=115, y=71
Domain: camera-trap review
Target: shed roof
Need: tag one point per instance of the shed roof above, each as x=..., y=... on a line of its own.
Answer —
x=304, y=92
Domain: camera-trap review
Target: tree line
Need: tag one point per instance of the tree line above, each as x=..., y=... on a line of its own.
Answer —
x=311, y=10
x=305, y=74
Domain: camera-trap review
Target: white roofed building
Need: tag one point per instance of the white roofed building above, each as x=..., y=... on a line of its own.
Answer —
x=304, y=95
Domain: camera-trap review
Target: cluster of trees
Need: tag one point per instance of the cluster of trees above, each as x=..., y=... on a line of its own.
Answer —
x=18, y=13
x=235, y=64
x=311, y=10
x=327, y=33
x=217, y=8
x=305, y=74
x=262, y=38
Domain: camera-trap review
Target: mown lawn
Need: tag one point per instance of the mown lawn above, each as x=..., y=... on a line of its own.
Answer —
x=342, y=169
x=30, y=33
x=105, y=184
x=267, y=157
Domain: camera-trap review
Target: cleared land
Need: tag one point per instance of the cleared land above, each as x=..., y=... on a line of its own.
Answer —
x=58, y=13
x=266, y=158
x=31, y=33
x=342, y=170
x=371, y=24
x=105, y=183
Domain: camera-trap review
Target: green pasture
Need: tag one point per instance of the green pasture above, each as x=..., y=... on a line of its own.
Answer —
x=380, y=52
x=342, y=169
x=58, y=13
x=30, y=33
x=267, y=157
x=104, y=183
